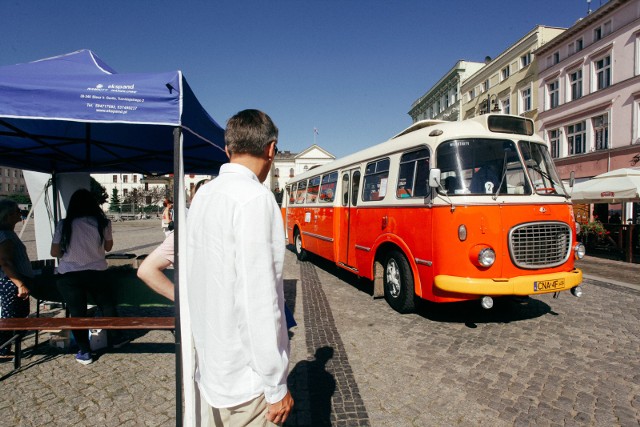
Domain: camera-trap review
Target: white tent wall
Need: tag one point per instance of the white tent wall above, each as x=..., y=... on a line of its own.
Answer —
x=41, y=194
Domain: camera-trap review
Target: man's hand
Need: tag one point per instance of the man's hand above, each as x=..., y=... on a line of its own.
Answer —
x=278, y=412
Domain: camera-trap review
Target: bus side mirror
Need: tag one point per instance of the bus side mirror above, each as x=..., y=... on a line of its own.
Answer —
x=572, y=179
x=434, y=178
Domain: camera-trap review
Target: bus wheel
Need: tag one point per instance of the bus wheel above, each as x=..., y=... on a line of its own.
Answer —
x=300, y=252
x=398, y=283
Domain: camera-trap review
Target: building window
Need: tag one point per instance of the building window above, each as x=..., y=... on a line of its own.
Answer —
x=135, y=179
x=525, y=96
x=603, y=73
x=505, y=73
x=637, y=61
x=575, y=80
x=576, y=138
x=579, y=45
x=556, y=58
x=597, y=34
x=525, y=60
x=115, y=179
x=554, y=141
x=601, y=131
x=276, y=173
x=125, y=192
x=291, y=173
x=125, y=179
x=506, y=105
x=554, y=94
x=485, y=85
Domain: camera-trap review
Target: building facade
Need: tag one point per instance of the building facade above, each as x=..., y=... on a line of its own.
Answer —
x=589, y=87
x=508, y=83
x=286, y=165
x=12, y=182
x=443, y=101
x=148, y=190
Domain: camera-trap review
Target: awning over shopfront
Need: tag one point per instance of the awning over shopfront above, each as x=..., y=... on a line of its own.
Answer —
x=617, y=186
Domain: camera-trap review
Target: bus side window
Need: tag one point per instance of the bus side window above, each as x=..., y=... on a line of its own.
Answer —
x=355, y=188
x=300, y=193
x=292, y=193
x=328, y=188
x=345, y=189
x=312, y=190
x=376, y=180
x=413, y=175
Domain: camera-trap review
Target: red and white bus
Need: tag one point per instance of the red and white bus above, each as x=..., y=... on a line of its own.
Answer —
x=443, y=211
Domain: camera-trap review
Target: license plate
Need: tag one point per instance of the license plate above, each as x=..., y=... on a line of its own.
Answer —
x=548, y=285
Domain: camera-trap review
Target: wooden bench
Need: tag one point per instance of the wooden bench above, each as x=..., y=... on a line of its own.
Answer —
x=128, y=291
x=70, y=323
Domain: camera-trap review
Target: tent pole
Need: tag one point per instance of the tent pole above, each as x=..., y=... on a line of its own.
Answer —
x=177, y=171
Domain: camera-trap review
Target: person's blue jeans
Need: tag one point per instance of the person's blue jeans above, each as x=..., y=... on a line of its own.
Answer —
x=75, y=288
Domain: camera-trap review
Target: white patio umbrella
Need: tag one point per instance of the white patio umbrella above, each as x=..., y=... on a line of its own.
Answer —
x=620, y=185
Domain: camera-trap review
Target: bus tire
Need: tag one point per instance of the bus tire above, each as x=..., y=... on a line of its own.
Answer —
x=398, y=283
x=297, y=243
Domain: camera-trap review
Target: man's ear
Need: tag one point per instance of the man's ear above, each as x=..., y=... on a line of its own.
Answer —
x=226, y=150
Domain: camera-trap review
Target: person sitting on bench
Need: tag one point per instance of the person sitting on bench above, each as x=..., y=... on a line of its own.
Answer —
x=15, y=272
x=80, y=242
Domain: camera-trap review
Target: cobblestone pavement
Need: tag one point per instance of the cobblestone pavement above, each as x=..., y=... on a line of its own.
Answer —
x=354, y=361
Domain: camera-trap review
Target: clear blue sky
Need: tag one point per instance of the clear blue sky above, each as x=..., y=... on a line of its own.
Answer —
x=350, y=68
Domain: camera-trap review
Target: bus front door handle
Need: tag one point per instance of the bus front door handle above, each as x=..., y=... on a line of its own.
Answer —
x=385, y=221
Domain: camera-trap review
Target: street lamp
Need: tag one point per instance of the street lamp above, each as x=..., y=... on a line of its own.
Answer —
x=495, y=102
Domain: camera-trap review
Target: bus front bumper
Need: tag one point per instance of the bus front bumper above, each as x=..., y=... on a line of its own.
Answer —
x=521, y=285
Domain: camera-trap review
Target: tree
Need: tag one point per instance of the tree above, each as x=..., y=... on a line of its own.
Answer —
x=114, y=206
x=21, y=199
x=98, y=191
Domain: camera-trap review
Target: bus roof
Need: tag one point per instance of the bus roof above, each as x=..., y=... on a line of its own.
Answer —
x=434, y=131
x=419, y=125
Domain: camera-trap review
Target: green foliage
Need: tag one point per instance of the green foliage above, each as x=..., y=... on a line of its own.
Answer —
x=20, y=198
x=114, y=205
x=98, y=191
x=594, y=228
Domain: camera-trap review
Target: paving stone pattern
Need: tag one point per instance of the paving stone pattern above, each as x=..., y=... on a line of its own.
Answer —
x=355, y=361
x=333, y=395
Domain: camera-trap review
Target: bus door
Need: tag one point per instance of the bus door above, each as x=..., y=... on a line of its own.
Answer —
x=347, y=219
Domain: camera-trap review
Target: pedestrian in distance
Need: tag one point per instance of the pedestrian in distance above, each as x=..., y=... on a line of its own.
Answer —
x=16, y=274
x=167, y=217
x=80, y=242
x=235, y=255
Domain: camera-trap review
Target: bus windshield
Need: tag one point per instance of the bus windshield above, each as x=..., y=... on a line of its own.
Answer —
x=478, y=166
x=540, y=168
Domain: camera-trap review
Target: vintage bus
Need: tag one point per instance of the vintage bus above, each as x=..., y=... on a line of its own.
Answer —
x=443, y=211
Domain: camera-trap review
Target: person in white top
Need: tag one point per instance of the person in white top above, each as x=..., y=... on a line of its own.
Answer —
x=235, y=256
x=80, y=241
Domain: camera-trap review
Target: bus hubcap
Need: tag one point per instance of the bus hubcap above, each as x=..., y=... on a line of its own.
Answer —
x=393, y=278
x=298, y=243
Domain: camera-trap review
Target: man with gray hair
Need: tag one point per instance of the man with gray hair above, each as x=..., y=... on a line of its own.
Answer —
x=235, y=257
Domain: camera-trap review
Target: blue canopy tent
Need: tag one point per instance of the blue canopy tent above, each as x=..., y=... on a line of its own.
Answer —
x=74, y=113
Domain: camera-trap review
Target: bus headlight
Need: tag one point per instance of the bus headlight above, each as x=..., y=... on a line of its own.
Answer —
x=579, y=250
x=482, y=256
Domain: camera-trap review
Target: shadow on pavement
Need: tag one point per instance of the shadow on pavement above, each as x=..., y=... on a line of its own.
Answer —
x=313, y=386
x=505, y=309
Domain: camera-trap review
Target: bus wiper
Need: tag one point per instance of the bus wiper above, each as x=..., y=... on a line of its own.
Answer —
x=504, y=174
x=546, y=175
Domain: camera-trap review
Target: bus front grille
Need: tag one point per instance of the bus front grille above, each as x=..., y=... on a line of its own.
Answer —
x=540, y=244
